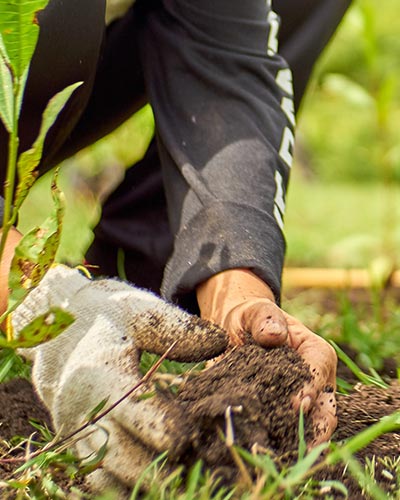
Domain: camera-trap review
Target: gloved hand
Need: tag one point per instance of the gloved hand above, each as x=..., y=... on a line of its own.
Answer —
x=97, y=357
x=240, y=302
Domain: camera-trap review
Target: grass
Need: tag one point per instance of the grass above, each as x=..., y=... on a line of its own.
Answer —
x=272, y=481
x=340, y=224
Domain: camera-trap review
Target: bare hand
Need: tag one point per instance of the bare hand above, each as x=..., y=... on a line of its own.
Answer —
x=240, y=302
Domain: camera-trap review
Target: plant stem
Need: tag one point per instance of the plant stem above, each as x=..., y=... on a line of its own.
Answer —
x=9, y=185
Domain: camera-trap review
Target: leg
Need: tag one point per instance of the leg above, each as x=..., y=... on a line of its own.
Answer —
x=113, y=91
x=134, y=225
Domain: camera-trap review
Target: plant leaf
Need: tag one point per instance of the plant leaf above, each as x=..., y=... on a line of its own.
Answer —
x=302, y=448
x=19, y=30
x=30, y=159
x=96, y=461
x=36, y=252
x=6, y=94
x=43, y=328
x=389, y=423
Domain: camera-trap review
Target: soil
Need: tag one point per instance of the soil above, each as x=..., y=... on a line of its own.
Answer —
x=258, y=386
x=249, y=380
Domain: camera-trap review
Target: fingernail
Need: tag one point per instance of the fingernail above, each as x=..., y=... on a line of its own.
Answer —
x=305, y=404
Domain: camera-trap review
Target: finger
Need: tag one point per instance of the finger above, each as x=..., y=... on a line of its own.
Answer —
x=260, y=317
x=268, y=325
x=158, y=328
x=155, y=421
x=324, y=417
x=320, y=357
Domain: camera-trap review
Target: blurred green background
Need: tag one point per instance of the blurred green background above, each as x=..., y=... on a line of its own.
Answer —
x=343, y=205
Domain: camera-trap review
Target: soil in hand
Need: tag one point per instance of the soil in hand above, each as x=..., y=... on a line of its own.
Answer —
x=250, y=390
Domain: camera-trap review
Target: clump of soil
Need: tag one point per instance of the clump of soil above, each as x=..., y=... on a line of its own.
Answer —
x=263, y=382
x=258, y=386
x=358, y=411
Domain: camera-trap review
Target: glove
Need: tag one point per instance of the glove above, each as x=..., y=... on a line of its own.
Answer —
x=240, y=302
x=97, y=357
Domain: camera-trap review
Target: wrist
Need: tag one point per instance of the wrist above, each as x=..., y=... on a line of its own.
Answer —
x=13, y=239
x=224, y=291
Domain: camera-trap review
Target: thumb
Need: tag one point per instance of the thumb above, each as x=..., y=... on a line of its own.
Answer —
x=262, y=319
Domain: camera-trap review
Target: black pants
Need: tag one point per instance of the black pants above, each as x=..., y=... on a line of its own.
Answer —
x=113, y=64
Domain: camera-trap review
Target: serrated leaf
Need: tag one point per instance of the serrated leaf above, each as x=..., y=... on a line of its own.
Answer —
x=35, y=253
x=29, y=160
x=19, y=30
x=43, y=328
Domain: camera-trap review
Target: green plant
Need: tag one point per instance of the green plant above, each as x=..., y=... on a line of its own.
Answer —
x=370, y=329
x=34, y=255
x=48, y=474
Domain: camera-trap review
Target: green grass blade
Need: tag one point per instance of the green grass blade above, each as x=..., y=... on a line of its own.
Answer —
x=363, y=377
x=367, y=483
x=390, y=423
x=300, y=469
x=193, y=479
x=302, y=448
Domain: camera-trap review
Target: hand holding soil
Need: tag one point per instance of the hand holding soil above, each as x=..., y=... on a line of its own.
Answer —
x=242, y=304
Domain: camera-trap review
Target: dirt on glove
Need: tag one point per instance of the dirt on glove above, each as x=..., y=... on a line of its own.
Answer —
x=257, y=385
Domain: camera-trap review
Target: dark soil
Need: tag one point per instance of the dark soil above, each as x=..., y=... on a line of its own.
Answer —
x=259, y=380
x=18, y=405
x=258, y=386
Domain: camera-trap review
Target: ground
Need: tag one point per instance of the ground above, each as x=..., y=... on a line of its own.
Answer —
x=258, y=393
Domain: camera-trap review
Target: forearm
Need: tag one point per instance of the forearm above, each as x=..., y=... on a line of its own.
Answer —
x=225, y=140
x=214, y=300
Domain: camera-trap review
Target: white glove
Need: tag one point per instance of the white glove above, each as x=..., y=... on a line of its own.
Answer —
x=98, y=357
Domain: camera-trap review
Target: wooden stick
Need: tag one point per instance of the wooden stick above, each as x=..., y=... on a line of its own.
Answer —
x=296, y=277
